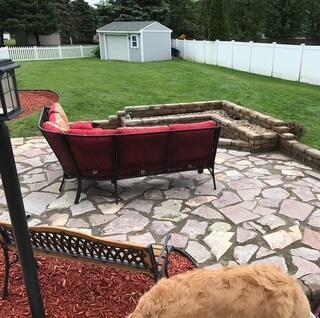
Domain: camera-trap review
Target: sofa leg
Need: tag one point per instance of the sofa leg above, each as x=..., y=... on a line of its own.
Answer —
x=62, y=183
x=5, y=291
x=213, y=178
x=77, y=200
x=214, y=182
x=115, y=183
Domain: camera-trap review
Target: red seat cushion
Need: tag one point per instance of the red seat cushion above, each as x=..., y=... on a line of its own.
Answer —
x=82, y=125
x=142, y=130
x=192, y=145
x=142, y=150
x=92, y=132
x=204, y=124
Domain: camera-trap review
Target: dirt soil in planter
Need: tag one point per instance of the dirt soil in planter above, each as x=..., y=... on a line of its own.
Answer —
x=73, y=289
x=34, y=101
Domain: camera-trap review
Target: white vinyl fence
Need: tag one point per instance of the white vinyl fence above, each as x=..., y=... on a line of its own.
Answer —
x=291, y=62
x=34, y=53
x=4, y=53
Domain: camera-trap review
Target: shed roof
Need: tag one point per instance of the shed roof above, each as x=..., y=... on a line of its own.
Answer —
x=125, y=26
x=131, y=26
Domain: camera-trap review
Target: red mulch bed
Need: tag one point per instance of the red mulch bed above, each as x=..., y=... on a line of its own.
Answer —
x=73, y=289
x=34, y=101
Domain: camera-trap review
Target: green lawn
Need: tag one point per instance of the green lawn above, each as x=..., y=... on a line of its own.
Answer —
x=92, y=89
x=11, y=42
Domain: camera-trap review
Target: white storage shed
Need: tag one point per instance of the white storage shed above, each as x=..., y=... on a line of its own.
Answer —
x=135, y=41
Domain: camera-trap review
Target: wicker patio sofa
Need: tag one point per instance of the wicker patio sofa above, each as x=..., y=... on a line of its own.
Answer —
x=73, y=244
x=88, y=152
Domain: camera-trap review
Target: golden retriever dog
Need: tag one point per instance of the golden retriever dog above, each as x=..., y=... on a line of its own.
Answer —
x=260, y=291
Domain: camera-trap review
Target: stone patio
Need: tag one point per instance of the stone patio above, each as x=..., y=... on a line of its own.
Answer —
x=266, y=208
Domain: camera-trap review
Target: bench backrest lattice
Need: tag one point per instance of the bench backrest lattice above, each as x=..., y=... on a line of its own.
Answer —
x=62, y=242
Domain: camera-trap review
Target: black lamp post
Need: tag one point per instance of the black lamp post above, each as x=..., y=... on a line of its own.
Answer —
x=10, y=108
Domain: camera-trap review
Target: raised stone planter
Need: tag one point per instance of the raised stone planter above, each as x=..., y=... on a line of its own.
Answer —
x=244, y=129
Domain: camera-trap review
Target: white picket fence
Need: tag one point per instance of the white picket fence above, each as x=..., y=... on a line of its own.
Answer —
x=291, y=62
x=34, y=53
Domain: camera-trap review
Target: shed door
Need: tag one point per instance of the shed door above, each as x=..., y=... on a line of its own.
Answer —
x=117, y=46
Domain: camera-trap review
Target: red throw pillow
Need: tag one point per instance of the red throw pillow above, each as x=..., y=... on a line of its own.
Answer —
x=48, y=125
x=191, y=126
x=59, y=117
x=82, y=125
x=142, y=130
x=92, y=132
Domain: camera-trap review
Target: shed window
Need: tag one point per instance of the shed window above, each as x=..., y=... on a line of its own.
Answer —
x=134, y=41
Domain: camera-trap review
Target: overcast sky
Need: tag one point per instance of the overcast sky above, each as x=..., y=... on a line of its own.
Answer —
x=92, y=1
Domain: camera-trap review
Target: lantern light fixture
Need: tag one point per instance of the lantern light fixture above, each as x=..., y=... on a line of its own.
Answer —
x=9, y=96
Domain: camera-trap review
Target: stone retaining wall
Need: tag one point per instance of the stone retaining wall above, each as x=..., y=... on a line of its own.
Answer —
x=274, y=135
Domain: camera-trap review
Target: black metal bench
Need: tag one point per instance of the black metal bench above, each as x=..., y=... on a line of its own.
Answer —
x=60, y=242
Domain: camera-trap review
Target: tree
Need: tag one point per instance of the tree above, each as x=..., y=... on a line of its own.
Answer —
x=182, y=17
x=63, y=18
x=247, y=19
x=155, y=10
x=133, y=10
x=216, y=19
x=82, y=22
x=313, y=20
x=11, y=17
x=39, y=18
x=285, y=19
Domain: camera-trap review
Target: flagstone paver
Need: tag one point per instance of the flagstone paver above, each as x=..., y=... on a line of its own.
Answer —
x=314, y=219
x=207, y=213
x=306, y=253
x=198, y=252
x=295, y=209
x=266, y=208
x=193, y=228
x=244, y=235
x=282, y=238
x=243, y=254
x=162, y=227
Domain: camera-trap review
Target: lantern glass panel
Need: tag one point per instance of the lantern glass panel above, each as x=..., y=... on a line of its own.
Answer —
x=1, y=107
x=9, y=92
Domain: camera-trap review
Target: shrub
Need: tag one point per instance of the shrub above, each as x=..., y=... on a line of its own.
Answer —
x=97, y=52
x=296, y=129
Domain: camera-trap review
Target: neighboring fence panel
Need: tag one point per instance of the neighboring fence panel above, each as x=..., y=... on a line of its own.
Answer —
x=34, y=53
x=287, y=60
x=199, y=52
x=189, y=50
x=262, y=59
x=310, y=66
x=242, y=56
x=290, y=62
x=225, y=54
x=4, y=53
